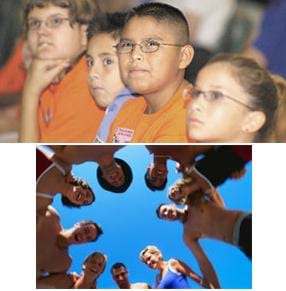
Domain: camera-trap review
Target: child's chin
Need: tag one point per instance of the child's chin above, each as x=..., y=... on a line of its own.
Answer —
x=101, y=102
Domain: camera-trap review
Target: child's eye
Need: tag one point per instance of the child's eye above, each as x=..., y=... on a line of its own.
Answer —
x=34, y=24
x=125, y=44
x=90, y=63
x=56, y=21
x=152, y=43
x=107, y=61
x=214, y=95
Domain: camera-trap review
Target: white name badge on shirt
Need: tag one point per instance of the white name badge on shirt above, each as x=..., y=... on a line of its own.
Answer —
x=123, y=135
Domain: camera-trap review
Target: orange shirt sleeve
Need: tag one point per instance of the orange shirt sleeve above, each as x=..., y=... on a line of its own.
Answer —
x=12, y=75
x=67, y=111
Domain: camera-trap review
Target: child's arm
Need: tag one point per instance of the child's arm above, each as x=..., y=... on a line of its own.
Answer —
x=40, y=74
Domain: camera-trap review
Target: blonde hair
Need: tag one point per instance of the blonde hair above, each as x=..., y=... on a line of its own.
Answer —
x=152, y=249
x=280, y=84
x=92, y=256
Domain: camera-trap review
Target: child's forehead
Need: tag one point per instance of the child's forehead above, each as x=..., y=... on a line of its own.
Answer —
x=102, y=43
x=152, y=27
x=47, y=11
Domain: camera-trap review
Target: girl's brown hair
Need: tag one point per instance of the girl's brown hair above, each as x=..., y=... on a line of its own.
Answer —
x=258, y=84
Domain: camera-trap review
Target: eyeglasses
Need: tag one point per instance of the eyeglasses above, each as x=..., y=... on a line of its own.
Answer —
x=213, y=96
x=146, y=46
x=52, y=22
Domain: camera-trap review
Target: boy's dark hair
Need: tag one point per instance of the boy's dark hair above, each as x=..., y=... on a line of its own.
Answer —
x=97, y=226
x=152, y=187
x=127, y=174
x=116, y=266
x=79, y=11
x=166, y=13
x=111, y=23
x=82, y=183
x=158, y=210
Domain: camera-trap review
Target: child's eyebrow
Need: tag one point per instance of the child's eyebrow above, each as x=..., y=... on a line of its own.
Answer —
x=107, y=54
x=89, y=57
x=151, y=37
x=52, y=15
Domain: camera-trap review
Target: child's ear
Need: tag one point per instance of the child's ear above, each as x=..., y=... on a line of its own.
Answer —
x=186, y=56
x=253, y=122
x=83, y=29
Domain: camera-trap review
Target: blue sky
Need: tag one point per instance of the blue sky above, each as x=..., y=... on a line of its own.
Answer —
x=130, y=223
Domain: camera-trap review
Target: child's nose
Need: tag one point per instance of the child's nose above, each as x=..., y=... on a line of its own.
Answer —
x=136, y=53
x=94, y=73
x=195, y=105
x=43, y=29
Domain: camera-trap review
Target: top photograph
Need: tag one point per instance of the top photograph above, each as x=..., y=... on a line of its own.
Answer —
x=142, y=71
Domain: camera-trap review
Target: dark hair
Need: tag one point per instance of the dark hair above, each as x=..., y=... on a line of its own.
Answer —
x=152, y=187
x=97, y=226
x=82, y=183
x=256, y=82
x=127, y=174
x=79, y=11
x=110, y=23
x=167, y=13
x=158, y=210
x=280, y=84
x=116, y=266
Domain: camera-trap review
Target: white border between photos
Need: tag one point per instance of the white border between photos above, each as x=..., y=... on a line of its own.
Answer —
x=17, y=250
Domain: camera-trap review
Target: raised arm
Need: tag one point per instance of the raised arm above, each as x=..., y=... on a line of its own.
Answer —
x=40, y=74
x=206, y=267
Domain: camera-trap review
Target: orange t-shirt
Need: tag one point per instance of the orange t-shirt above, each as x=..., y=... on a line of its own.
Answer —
x=67, y=112
x=12, y=75
x=166, y=125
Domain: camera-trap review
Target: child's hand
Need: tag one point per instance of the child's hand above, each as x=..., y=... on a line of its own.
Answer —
x=42, y=72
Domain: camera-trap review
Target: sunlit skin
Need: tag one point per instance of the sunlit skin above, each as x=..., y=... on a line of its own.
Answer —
x=94, y=265
x=114, y=175
x=157, y=75
x=169, y=212
x=53, y=182
x=112, y=172
x=120, y=276
x=221, y=120
x=81, y=233
x=157, y=174
x=63, y=42
x=78, y=195
x=153, y=259
x=103, y=70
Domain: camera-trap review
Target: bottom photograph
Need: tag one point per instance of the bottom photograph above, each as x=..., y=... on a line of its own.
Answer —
x=143, y=216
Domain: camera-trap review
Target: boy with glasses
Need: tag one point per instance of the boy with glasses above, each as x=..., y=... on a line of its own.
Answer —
x=57, y=105
x=153, y=52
